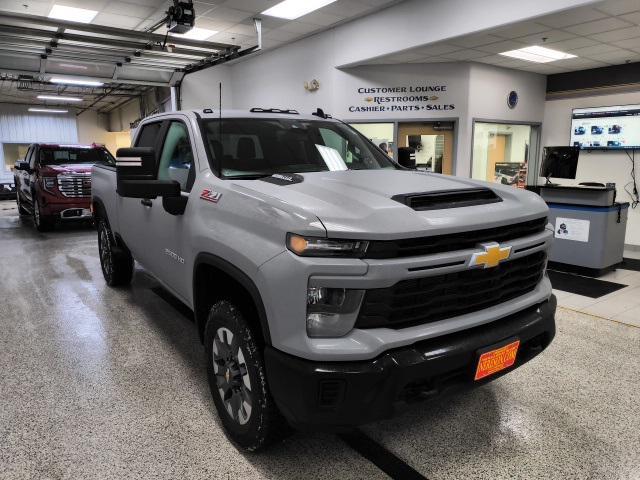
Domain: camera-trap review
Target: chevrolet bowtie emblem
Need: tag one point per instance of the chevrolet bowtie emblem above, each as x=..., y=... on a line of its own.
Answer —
x=493, y=254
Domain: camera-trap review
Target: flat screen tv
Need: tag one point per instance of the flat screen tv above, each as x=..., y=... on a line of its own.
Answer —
x=606, y=128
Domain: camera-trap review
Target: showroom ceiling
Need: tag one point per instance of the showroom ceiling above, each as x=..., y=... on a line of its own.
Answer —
x=118, y=48
x=607, y=33
x=232, y=19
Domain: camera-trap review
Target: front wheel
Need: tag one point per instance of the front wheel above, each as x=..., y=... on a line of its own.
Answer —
x=43, y=223
x=117, y=263
x=238, y=382
x=21, y=210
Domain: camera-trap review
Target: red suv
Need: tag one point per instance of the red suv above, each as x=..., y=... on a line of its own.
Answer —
x=53, y=182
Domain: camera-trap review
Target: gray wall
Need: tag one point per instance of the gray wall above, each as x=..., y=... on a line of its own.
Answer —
x=276, y=79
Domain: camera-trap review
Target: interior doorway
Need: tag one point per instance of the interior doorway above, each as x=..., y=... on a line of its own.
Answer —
x=433, y=142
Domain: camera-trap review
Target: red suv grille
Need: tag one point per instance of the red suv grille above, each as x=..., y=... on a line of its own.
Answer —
x=75, y=185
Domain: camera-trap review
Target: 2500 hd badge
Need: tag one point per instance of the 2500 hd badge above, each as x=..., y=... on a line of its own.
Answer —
x=331, y=283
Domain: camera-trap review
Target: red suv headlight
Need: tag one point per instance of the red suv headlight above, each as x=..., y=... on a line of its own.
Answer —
x=49, y=183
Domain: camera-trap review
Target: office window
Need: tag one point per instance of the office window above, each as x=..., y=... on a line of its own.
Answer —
x=380, y=134
x=501, y=153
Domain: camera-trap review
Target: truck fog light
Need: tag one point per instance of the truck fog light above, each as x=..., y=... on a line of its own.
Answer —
x=332, y=312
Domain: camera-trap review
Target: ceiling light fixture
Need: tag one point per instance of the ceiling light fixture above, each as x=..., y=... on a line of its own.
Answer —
x=47, y=110
x=59, y=98
x=196, y=34
x=76, y=67
x=537, y=54
x=71, y=81
x=292, y=9
x=72, y=14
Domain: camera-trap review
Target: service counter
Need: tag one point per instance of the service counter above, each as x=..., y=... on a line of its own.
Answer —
x=589, y=227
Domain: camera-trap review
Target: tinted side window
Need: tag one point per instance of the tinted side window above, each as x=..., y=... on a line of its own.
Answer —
x=149, y=135
x=176, y=160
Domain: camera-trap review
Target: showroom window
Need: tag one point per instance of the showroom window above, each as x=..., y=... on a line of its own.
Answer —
x=501, y=152
x=176, y=160
x=432, y=143
x=379, y=133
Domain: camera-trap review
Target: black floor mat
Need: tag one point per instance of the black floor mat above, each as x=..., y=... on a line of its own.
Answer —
x=630, y=264
x=586, y=286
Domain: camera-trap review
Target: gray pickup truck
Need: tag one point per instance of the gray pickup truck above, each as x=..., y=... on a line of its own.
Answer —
x=329, y=285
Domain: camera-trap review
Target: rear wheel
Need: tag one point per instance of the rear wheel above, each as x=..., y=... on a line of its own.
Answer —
x=238, y=381
x=117, y=263
x=43, y=223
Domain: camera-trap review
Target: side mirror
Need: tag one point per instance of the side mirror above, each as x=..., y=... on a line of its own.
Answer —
x=136, y=175
x=22, y=165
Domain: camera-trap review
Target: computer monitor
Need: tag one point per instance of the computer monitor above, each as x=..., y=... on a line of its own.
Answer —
x=407, y=157
x=559, y=162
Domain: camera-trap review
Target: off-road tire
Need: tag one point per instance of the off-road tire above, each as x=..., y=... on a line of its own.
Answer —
x=117, y=263
x=264, y=425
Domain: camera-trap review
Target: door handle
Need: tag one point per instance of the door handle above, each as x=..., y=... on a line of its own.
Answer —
x=146, y=202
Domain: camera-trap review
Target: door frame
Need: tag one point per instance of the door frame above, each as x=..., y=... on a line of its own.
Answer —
x=396, y=123
x=534, y=145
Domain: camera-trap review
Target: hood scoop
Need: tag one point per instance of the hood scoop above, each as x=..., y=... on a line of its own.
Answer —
x=443, y=199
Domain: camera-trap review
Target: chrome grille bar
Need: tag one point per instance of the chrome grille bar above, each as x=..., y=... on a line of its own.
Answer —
x=75, y=185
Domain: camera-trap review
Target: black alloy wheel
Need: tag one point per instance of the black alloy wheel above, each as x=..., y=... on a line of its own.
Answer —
x=117, y=263
x=237, y=379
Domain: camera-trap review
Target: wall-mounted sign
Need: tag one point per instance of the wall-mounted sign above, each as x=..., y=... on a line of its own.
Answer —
x=512, y=99
x=410, y=98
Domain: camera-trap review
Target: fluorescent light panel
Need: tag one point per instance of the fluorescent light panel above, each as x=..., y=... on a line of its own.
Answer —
x=538, y=54
x=72, y=14
x=59, y=98
x=71, y=81
x=292, y=9
x=71, y=65
x=47, y=110
x=196, y=34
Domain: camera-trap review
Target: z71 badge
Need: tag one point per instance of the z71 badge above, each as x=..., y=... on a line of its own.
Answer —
x=210, y=196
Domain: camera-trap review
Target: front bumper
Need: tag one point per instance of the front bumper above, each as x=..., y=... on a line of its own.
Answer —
x=334, y=396
x=65, y=208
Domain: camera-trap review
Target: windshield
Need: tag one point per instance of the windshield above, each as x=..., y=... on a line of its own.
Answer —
x=68, y=156
x=249, y=147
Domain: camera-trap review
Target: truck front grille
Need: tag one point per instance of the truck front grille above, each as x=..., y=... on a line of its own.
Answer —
x=412, y=247
x=429, y=299
x=75, y=185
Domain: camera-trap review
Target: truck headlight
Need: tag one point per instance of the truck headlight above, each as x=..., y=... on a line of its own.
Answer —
x=325, y=247
x=49, y=183
x=332, y=312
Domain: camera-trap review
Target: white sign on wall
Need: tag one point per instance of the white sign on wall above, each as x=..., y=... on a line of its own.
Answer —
x=572, y=229
x=402, y=98
x=401, y=91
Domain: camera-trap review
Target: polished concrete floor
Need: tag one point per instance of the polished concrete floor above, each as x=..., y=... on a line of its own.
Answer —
x=104, y=383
